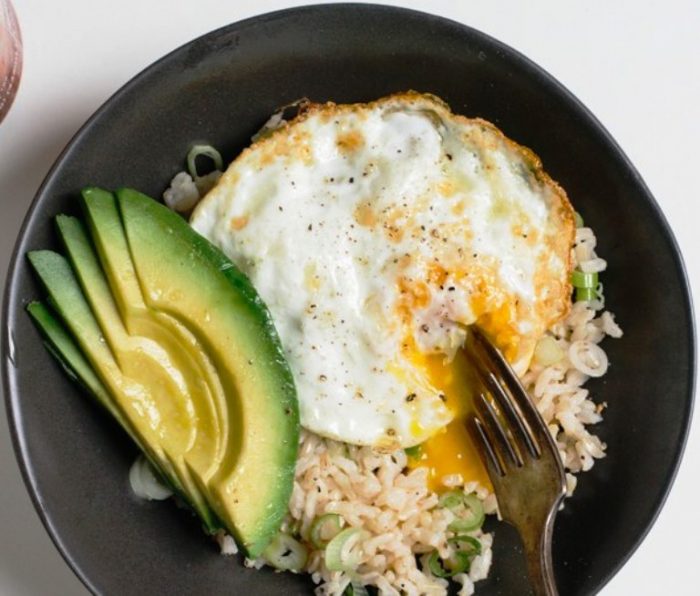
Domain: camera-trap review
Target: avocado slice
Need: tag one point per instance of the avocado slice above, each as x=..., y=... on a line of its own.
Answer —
x=182, y=275
x=203, y=380
x=139, y=399
x=184, y=352
x=66, y=297
x=142, y=355
x=61, y=345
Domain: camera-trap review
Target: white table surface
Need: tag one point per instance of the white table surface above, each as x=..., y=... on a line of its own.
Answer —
x=634, y=63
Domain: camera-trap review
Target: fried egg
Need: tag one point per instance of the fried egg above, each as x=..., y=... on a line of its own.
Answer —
x=377, y=233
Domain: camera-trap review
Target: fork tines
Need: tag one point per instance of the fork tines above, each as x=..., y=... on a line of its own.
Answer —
x=520, y=455
x=508, y=423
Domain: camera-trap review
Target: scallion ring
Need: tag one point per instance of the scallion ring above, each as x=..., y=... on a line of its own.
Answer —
x=586, y=294
x=286, y=553
x=473, y=545
x=342, y=553
x=581, y=279
x=476, y=515
x=145, y=481
x=472, y=504
x=451, y=499
x=206, y=150
x=321, y=526
x=578, y=220
x=459, y=562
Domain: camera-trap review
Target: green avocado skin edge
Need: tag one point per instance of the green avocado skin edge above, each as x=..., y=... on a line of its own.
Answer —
x=247, y=483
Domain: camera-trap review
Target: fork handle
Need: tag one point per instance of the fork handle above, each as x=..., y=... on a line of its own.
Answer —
x=538, y=550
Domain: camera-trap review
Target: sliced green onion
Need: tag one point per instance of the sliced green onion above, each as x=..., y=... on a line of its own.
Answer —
x=321, y=526
x=451, y=499
x=206, y=150
x=458, y=563
x=145, y=481
x=578, y=219
x=476, y=515
x=581, y=279
x=585, y=294
x=474, y=546
x=413, y=452
x=355, y=588
x=454, y=500
x=339, y=555
x=286, y=553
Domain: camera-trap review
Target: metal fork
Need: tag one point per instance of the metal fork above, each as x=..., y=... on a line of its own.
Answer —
x=520, y=456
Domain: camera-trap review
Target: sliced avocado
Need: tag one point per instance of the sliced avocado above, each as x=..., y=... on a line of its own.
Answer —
x=107, y=234
x=201, y=377
x=182, y=275
x=65, y=295
x=145, y=359
x=61, y=345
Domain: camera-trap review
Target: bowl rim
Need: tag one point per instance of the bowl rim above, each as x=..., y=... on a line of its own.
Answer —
x=11, y=393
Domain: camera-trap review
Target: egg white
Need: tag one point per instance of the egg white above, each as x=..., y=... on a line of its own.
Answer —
x=377, y=231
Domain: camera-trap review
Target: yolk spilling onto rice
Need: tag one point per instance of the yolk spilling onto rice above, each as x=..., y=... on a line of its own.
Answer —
x=452, y=450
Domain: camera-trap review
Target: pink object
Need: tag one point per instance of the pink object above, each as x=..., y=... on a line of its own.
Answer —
x=10, y=56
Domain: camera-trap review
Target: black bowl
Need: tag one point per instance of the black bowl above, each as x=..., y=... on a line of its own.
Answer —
x=221, y=88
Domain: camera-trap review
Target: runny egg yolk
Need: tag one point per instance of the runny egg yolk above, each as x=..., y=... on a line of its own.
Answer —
x=452, y=450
